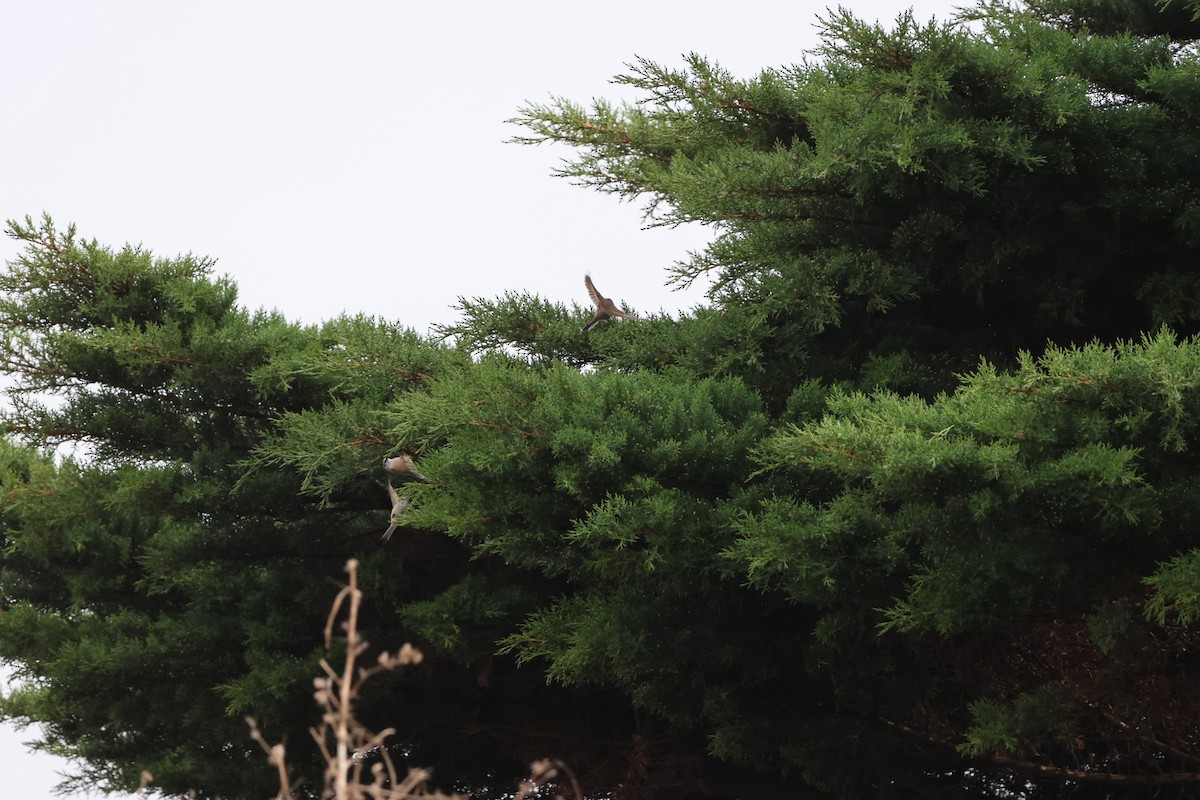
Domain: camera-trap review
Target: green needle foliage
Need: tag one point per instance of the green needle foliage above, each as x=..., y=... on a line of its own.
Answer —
x=908, y=510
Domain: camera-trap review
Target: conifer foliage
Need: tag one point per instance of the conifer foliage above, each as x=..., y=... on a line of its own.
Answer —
x=908, y=510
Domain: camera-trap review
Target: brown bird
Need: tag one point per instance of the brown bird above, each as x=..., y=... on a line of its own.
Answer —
x=398, y=505
x=605, y=308
x=402, y=465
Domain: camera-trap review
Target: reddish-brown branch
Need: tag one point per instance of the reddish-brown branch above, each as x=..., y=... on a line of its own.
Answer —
x=1064, y=773
x=161, y=355
x=534, y=434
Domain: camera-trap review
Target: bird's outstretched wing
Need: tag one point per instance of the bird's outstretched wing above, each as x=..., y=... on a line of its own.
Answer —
x=597, y=298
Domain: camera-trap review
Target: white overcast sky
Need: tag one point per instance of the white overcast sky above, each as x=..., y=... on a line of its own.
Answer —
x=351, y=157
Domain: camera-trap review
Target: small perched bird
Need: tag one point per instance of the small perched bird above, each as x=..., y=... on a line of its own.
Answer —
x=605, y=308
x=402, y=465
x=398, y=505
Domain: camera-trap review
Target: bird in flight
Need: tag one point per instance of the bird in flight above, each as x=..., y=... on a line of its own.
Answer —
x=605, y=308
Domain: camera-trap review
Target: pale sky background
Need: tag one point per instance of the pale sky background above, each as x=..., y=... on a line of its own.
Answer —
x=352, y=157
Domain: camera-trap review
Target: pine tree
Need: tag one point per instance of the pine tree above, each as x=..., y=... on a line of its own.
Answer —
x=907, y=511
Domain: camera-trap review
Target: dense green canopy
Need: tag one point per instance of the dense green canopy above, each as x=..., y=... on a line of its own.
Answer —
x=909, y=510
